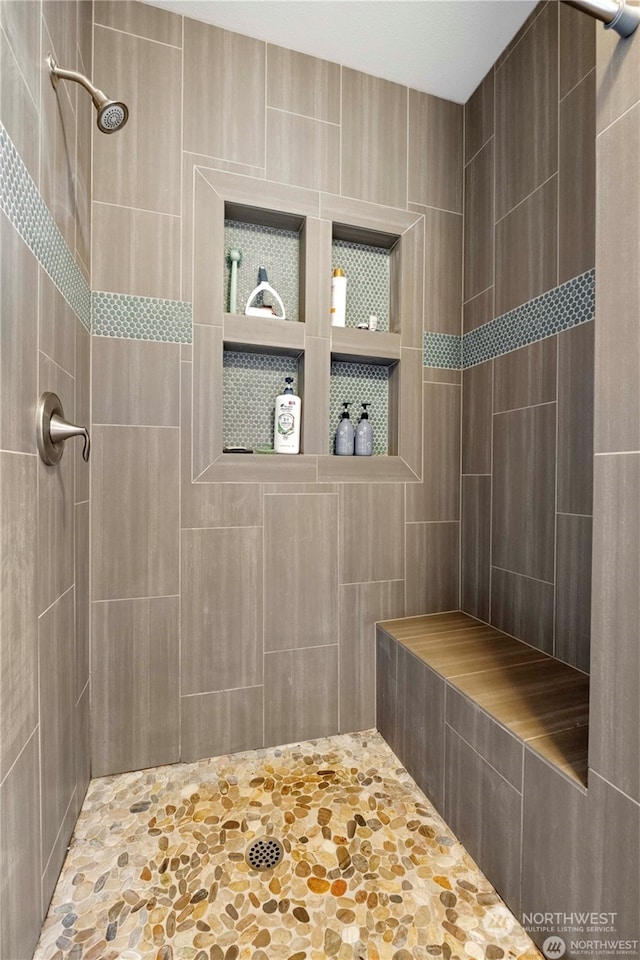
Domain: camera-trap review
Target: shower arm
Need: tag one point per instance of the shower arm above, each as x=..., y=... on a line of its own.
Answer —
x=616, y=15
x=57, y=73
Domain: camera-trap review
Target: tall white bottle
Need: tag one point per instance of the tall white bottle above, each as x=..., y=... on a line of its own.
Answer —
x=286, y=428
x=338, y=298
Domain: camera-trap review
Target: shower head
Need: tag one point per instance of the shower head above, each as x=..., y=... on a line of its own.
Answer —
x=112, y=114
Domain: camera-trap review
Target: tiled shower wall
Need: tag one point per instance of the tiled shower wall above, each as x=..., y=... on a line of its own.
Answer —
x=45, y=177
x=228, y=615
x=527, y=435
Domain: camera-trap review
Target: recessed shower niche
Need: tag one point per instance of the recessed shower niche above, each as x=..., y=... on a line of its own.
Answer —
x=240, y=361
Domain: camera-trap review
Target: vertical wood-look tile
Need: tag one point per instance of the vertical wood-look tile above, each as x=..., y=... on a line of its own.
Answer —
x=82, y=407
x=478, y=116
x=523, y=608
x=18, y=110
x=57, y=326
x=478, y=310
x=573, y=590
x=435, y=151
x=315, y=248
x=410, y=418
x=227, y=721
x=524, y=473
x=617, y=78
x=135, y=691
x=19, y=610
x=135, y=382
x=303, y=84
x=577, y=48
x=204, y=251
x=484, y=811
x=527, y=113
x=526, y=249
x=55, y=500
x=81, y=545
x=479, y=222
x=18, y=341
x=361, y=606
x=57, y=728
x=230, y=124
x=21, y=23
x=58, y=150
x=476, y=546
x=301, y=571
x=20, y=880
x=83, y=750
x=577, y=180
x=421, y=698
x=141, y=20
x=317, y=368
x=433, y=563
x=135, y=509
x=442, y=270
x=477, y=387
x=410, y=292
x=617, y=407
x=135, y=252
x=526, y=376
x=211, y=504
x=207, y=396
x=374, y=124
x=371, y=527
x=575, y=419
x=438, y=496
x=121, y=164
x=387, y=688
x=614, y=738
x=301, y=694
x=303, y=151
x=221, y=645
x=497, y=745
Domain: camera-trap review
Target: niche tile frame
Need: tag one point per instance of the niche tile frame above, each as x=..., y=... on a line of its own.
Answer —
x=217, y=194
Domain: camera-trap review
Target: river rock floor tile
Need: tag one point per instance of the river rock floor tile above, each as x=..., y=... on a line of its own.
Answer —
x=156, y=868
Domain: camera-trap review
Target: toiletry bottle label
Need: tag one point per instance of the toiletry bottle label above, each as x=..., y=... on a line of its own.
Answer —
x=286, y=421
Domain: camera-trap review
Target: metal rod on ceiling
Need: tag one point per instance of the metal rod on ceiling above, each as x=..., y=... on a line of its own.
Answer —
x=616, y=15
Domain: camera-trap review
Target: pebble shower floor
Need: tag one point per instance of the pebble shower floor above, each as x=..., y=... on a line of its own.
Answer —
x=156, y=868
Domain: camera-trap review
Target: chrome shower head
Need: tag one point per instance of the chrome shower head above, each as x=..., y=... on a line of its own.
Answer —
x=112, y=114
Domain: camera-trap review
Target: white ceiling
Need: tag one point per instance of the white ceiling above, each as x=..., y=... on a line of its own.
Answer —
x=443, y=47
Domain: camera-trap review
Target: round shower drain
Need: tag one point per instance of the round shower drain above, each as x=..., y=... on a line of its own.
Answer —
x=264, y=853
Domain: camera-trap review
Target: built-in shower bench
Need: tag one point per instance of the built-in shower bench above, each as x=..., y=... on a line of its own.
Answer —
x=448, y=682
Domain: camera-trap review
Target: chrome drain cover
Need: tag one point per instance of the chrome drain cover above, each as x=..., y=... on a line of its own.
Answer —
x=264, y=853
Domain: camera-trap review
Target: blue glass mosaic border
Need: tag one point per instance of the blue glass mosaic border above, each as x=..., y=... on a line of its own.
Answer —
x=140, y=318
x=559, y=309
x=565, y=306
x=442, y=350
x=25, y=208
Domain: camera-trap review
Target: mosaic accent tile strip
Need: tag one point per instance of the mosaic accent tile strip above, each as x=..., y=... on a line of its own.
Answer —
x=358, y=383
x=368, y=274
x=156, y=868
x=251, y=383
x=277, y=250
x=559, y=309
x=25, y=208
x=140, y=318
x=443, y=350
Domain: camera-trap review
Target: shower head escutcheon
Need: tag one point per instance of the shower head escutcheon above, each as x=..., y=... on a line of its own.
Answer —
x=112, y=114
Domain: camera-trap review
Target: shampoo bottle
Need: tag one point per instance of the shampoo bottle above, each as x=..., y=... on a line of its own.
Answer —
x=338, y=298
x=364, y=435
x=286, y=431
x=344, y=434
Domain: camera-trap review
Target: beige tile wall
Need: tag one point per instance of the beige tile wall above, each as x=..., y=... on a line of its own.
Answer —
x=44, y=511
x=279, y=584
